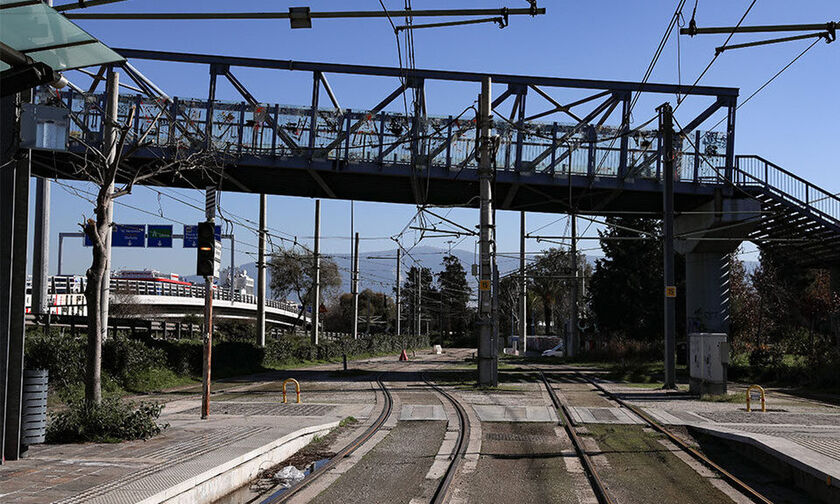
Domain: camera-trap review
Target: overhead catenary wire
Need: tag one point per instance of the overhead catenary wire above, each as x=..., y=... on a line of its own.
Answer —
x=715, y=57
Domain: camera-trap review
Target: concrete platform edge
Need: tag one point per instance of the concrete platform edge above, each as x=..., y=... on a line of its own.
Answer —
x=206, y=487
x=831, y=476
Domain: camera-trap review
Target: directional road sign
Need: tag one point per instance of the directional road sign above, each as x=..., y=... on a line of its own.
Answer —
x=125, y=235
x=160, y=236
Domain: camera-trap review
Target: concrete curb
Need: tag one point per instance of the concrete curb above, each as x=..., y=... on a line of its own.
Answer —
x=818, y=466
x=228, y=476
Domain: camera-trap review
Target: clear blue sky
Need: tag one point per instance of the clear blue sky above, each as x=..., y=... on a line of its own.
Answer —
x=793, y=122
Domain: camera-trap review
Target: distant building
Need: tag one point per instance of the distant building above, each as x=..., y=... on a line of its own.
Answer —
x=242, y=283
x=150, y=275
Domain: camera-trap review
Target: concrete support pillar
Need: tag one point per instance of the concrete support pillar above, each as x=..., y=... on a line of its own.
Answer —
x=706, y=236
x=707, y=292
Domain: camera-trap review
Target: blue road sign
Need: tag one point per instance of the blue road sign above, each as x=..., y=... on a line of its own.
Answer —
x=125, y=235
x=160, y=236
x=128, y=235
x=191, y=235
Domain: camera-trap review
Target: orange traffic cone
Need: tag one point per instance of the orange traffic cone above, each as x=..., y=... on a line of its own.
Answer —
x=403, y=356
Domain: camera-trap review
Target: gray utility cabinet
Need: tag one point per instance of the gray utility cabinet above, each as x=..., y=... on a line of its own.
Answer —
x=708, y=360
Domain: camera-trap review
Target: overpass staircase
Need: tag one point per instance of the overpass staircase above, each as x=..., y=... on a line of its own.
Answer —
x=800, y=221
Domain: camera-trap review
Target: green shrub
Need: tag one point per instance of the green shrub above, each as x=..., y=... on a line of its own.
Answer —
x=62, y=355
x=766, y=357
x=231, y=358
x=155, y=379
x=112, y=421
x=182, y=357
x=125, y=359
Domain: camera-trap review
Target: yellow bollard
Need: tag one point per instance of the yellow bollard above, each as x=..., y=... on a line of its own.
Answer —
x=297, y=389
x=763, y=400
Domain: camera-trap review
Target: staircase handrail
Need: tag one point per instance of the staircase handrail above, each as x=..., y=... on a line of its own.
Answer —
x=812, y=193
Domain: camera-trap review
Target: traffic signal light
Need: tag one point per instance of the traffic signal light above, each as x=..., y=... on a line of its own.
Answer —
x=206, y=262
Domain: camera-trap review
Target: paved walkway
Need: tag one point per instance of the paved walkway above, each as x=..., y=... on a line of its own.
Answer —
x=248, y=429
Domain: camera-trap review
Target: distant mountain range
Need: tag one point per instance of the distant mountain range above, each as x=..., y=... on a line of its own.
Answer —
x=380, y=274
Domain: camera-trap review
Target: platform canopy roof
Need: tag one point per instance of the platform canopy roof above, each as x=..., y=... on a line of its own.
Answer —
x=39, y=32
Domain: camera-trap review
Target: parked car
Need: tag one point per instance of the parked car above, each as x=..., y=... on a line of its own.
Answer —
x=557, y=351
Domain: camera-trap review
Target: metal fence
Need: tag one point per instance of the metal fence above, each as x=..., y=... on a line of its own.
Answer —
x=387, y=138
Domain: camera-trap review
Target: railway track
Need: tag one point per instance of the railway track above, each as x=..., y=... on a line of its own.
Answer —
x=442, y=494
x=442, y=491
x=595, y=480
x=283, y=495
x=589, y=468
x=739, y=485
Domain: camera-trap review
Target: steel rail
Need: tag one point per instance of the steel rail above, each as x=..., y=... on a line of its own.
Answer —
x=283, y=495
x=594, y=479
x=740, y=485
x=441, y=494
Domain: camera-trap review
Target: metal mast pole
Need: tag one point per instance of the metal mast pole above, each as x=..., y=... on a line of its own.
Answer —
x=419, y=293
x=316, y=297
x=573, y=332
x=399, y=309
x=355, y=288
x=232, y=265
x=261, y=276
x=666, y=127
x=41, y=248
x=487, y=354
x=523, y=286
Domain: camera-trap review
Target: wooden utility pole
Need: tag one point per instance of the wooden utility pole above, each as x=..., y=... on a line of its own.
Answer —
x=210, y=215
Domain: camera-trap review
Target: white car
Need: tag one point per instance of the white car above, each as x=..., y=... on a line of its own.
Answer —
x=558, y=351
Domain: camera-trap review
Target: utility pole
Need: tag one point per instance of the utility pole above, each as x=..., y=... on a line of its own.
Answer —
x=261, y=276
x=41, y=249
x=316, y=256
x=487, y=353
x=574, y=344
x=210, y=216
x=419, y=293
x=399, y=308
x=523, y=286
x=666, y=129
x=354, y=288
x=367, y=322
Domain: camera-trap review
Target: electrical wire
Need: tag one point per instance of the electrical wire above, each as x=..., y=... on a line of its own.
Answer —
x=770, y=80
x=717, y=53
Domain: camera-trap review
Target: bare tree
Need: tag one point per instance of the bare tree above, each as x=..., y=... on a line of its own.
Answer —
x=107, y=168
